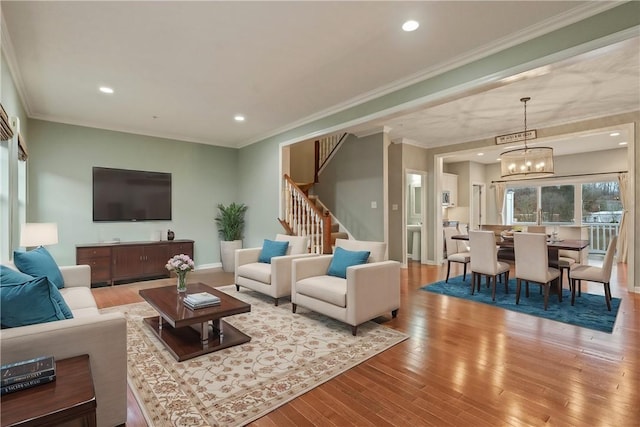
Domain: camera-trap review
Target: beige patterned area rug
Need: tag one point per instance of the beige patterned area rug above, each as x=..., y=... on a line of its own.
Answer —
x=288, y=355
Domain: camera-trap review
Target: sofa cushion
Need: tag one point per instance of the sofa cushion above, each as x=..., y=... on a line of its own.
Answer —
x=30, y=303
x=257, y=271
x=330, y=289
x=343, y=258
x=271, y=248
x=78, y=298
x=377, y=249
x=37, y=263
x=10, y=277
x=297, y=244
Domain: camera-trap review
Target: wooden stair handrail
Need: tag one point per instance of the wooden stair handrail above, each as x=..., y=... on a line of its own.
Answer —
x=303, y=216
x=320, y=157
x=311, y=205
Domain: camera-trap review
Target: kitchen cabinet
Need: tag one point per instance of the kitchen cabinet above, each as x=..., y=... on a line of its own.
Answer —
x=449, y=190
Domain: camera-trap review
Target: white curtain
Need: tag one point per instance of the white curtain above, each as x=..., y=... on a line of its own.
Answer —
x=500, y=190
x=623, y=241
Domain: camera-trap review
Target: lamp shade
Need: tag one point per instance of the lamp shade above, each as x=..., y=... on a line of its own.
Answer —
x=527, y=162
x=38, y=234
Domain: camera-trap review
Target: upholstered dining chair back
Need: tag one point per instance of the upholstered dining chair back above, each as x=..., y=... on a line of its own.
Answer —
x=537, y=229
x=456, y=251
x=532, y=256
x=607, y=263
x=484, y=253
x=454, y=246
x=590, y=273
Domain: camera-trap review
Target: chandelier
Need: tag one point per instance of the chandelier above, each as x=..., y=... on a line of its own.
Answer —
x=527, y=162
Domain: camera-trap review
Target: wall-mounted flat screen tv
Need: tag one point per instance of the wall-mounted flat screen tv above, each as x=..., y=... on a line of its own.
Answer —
x=131, y=195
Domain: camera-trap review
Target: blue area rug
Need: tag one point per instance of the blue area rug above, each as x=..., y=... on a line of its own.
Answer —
x=590, y=311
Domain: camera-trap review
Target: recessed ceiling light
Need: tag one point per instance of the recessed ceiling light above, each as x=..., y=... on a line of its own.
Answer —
x=614, y=134
x=622, y=143
x=480, y=154
x=105, y=89
x=410, y=25
x=498, y=159
x=238, y=118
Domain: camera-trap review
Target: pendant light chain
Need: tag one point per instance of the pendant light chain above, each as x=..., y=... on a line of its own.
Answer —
x=525, y=100
x=527, y=162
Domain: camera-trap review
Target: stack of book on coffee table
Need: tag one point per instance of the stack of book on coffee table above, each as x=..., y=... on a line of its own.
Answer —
x=27, y=373
x=201, y=300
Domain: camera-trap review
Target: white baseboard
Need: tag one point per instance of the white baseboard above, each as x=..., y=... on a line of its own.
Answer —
x=206, y=266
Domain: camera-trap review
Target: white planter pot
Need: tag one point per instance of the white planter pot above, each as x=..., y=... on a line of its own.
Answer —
x=228, y=254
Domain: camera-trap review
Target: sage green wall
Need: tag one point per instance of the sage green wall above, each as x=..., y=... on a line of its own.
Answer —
x=60, y=185
x=259, y=188
x=351, y=181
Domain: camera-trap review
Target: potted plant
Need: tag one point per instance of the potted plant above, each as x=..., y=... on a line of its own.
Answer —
x=230, y=222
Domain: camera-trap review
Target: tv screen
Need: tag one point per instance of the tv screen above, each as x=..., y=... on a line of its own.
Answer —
x=130, y=195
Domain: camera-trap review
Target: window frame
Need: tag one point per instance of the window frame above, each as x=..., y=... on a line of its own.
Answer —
x=577, y=183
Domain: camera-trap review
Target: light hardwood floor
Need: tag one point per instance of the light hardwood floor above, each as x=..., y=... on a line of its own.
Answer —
x=468, y=364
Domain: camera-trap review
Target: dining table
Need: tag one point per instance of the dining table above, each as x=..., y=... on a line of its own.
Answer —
x=507, y=253
x=553, y=245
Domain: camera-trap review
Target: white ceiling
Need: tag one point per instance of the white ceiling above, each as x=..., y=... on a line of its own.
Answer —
x=600, y=83
x=182, y=70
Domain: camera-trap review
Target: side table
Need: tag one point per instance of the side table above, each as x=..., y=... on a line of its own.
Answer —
x=69, y=397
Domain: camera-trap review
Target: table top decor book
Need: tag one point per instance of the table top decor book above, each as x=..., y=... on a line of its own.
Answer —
x=201, y=300
x=27, y=373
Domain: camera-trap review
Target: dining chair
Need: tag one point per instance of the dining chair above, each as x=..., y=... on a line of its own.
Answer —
x=532, y=264
x=564, y=262
x=537, y=229
x=484, y=261
x=591, y=273
x=457, y=251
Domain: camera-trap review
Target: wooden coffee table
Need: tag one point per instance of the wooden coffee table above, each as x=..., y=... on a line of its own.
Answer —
x=189, y=333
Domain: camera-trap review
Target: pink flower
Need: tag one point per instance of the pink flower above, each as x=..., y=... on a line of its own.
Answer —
x=180, y=263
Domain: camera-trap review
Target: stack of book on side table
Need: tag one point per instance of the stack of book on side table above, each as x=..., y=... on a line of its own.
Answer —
x=201, y=300
x=27, y=373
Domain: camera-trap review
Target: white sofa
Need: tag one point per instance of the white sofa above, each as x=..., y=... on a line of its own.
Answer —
x=368, y=291
x=270, y=279
x=102, y=336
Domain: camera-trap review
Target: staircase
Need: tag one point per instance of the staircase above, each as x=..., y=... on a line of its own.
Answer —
x=304, y=215
x=324, y=149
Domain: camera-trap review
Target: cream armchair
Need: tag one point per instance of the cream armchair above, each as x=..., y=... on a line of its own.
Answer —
x=270, y=279
x=368, y=290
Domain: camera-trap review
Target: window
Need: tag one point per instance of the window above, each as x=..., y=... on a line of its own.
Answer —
x=601, y=202
x=557, y=202
x=525, y=205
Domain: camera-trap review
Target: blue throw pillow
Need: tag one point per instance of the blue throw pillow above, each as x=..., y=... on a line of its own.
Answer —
x=38, y=263
x=10, y=277
x=343, y=258
x=28, y=304
x=271, y=248
x=56, y=296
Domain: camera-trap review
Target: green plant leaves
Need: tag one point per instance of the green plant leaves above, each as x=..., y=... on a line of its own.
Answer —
x=230, y=221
